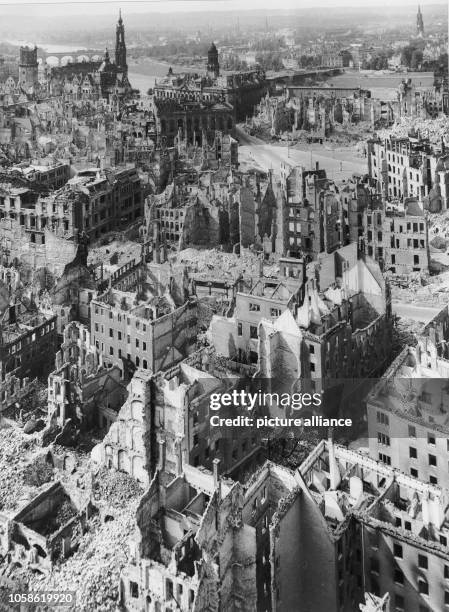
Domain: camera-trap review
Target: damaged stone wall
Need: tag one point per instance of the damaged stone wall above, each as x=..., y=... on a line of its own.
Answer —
x=15, y=390
x=53, y=252
x=123, y=447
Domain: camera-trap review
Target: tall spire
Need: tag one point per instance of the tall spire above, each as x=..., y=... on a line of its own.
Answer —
x=120, y=46
x=419, y=23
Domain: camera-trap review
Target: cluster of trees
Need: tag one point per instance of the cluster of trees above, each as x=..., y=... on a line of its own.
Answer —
x=270, y=60
x=376, y=62
x=171, y=49
x=412, y=56
x=233, y=62
x=267, y=45
x=309, y=61
x=439, y=66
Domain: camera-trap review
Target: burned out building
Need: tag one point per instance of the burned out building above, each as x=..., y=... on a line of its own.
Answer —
x=28, y=340
x=239, y=91
x=33, y=226
x=194, y=120
x=103, y=201
x=344, y=311
x=80, y=388
x=314, y=212
x=407, y=410
x=382, y=531
x=215, y=209
x=125, y=445
x=44, y=530
x=165, y=418
x=265, y=299
x=398, y=239
x=150, y=334
x=209, y=524
x=410, y=167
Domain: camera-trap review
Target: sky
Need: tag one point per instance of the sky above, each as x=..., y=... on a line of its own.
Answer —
x=61, y=7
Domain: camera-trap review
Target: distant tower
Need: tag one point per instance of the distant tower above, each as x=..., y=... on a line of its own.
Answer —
x=120, y=47
x=419, y=24
x=213, y=67
x=28, y=67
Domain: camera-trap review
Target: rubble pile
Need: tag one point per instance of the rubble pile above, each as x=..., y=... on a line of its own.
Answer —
x=224, y=266
x=37, y=472
x=64, y=513
x=433, y=129
x=93, y=571
x=438, y=242
x=405, y=333
x=439, y=224
x=115, y=488
x=18, y=459
x=430, y=290
x=120, y=252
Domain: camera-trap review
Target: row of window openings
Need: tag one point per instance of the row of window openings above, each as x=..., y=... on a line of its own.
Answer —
x=169, y=592
x=431, y=438
x=119, y=354
x=119, y=319
x=410, y=227
x=274, y=312
x=119, y=336
x=395, y=243
x=413, y=452
x=413, y=471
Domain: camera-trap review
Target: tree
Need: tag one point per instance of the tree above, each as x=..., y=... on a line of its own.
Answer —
x=412, y=56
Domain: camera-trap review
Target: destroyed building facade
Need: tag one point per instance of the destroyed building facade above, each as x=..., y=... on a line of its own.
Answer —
x=410, y=167
x=407, y=409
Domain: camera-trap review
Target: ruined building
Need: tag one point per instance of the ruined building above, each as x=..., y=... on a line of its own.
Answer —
x=215, y=209
x=80, y=388
x=195, y=528
x=410, y=167
x=151, y=334
x=125, y=445
x=28, y=68
x=398, y=239
x=372, y=528
x=27, y=341
x=104, y=200
x=340, y=510
x=408, y=408
x=314, y=212
x=165, y=417
x=43, y=230
x=340, y=327
x=265, y=299
x=107, y=80
x=46, y=529
x=240, y=90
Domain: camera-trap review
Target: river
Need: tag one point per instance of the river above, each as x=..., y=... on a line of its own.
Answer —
x=142, y=73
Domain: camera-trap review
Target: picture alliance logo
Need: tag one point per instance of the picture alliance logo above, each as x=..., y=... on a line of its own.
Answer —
x=246, y=400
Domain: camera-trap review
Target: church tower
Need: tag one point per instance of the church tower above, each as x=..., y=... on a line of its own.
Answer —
x=213, y=67
x=28, y=67
x=120, y=47
x=419, y=24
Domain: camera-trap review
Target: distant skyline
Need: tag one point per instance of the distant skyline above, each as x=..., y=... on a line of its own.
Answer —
x=61, y=7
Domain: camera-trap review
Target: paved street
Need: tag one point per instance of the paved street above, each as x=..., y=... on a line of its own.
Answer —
x=255, y=151
x=418, y=313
